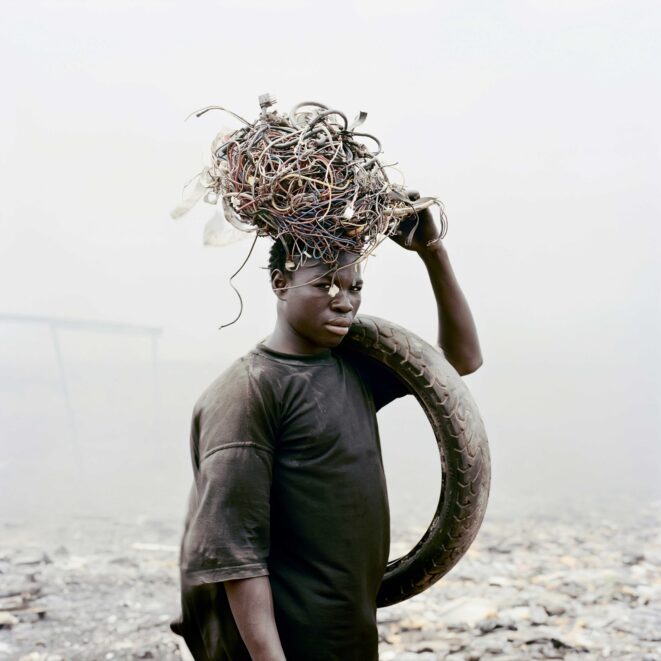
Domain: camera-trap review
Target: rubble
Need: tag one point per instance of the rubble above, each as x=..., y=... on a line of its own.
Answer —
x=581, y=588
x=574, y=588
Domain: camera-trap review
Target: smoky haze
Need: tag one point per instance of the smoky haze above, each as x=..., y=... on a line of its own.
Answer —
x=537, y=125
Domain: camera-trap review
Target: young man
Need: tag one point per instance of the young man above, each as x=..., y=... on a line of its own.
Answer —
x=286, y=538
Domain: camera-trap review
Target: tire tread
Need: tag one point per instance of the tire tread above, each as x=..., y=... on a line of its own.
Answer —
x=462, y=444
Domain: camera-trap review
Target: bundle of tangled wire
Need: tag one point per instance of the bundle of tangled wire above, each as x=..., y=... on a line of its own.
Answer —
x=306, y=179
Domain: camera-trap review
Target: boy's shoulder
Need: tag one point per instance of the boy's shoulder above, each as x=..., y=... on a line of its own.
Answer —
x=240, y=378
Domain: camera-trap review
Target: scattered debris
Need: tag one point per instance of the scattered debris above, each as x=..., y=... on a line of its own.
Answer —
x=7, y=620
x=519, y=594
x=522, y=592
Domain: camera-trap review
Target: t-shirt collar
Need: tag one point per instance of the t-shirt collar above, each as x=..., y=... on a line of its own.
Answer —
x=324, y=356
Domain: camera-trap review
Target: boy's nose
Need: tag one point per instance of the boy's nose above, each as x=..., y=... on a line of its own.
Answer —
x=342, y=302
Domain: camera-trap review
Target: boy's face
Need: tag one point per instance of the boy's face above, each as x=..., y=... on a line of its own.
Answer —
x=319, y=310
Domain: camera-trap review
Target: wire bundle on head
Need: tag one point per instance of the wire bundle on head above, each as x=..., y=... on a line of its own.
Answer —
x=307, y=180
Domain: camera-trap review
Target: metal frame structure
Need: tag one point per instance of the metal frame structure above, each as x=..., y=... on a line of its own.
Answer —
x=56, y=324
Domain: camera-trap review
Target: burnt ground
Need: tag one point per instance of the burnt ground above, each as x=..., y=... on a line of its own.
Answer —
x=567, y=587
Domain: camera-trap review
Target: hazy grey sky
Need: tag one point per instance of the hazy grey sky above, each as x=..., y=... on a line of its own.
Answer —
x=535, y=122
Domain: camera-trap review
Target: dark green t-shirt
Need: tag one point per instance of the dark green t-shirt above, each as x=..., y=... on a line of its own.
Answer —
x=289, y=483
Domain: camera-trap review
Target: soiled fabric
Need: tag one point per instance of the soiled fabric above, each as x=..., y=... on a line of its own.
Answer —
x=289, y=483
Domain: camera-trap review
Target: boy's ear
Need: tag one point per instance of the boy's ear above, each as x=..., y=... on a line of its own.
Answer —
x=279, y=284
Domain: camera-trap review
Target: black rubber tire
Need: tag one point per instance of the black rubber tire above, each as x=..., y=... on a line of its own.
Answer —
x=462, y=443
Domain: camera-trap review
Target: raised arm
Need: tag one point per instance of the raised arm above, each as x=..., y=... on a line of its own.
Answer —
x=252, y=607
x=457, y=334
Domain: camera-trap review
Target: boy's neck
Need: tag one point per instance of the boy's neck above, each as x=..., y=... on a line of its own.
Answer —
x=292, y=344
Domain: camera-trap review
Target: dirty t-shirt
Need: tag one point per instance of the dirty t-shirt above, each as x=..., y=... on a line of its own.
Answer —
x=289, y=483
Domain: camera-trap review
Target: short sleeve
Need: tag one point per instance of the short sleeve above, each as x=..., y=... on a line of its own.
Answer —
x=232, y=440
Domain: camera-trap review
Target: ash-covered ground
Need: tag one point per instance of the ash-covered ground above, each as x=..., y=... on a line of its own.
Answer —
x=580, y=585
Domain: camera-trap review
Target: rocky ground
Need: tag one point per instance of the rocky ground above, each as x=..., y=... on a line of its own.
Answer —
x=574, y=587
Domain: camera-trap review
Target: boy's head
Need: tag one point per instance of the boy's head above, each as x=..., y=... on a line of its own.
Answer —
x=316, y=302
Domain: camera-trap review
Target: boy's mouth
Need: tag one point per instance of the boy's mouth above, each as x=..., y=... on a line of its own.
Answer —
x=339, y=325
